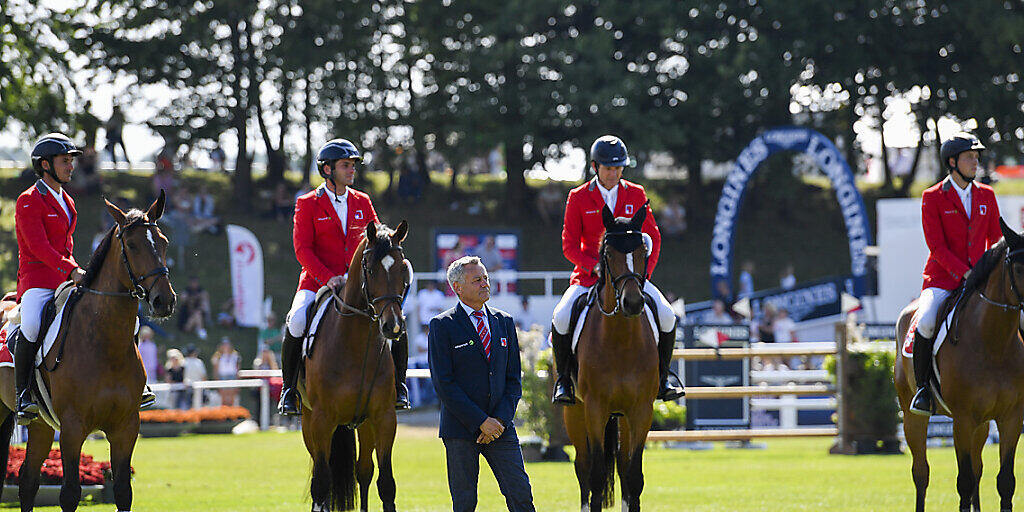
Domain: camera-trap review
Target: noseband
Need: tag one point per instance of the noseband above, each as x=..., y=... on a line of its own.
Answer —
x=618, y=283
x=138, y=291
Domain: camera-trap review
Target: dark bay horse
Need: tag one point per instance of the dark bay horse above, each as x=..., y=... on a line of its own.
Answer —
x=348, y=383
x=95, y=375
x=981, y=365
x=618, y=372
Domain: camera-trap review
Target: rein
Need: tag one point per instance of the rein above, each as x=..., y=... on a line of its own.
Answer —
x=617, y=282
x=1019, y=306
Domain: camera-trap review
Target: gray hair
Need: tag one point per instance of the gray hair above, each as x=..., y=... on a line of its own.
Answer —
x=457, y=270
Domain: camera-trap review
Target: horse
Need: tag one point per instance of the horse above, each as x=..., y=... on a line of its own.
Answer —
x=617, y=372
x=348, y=382
x=94, y=372
x=981, y=365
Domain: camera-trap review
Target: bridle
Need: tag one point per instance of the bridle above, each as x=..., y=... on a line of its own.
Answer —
x=1019, y=306
x=618, y=282
x=375, y=306
x=138, y=291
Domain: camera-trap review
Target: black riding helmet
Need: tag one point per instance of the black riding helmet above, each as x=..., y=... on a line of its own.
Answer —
x=609, y=151
x=49, y=146
x=334, y=150
x=958, y=144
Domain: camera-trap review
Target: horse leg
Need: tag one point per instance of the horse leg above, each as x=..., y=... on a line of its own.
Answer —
x=634, y=444
x=71, y=438
x=915, y=428
x=40, y=437
x=978, y=443
x=318, y=444
x=364, y=464
x=6, y=429
x=575, y=427
x=963, y=440
x=601, y=486
x=385, y=443
x=1009, y=434
x=122, y=445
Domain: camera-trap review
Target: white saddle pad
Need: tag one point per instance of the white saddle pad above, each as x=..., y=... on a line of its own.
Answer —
x=583, y=319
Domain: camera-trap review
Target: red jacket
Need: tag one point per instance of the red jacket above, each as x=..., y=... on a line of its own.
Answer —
x=322, y=248
x=583, y=228
x=45, y=242
x=956, y=243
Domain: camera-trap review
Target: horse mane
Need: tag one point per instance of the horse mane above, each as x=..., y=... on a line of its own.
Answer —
x=382, y=244
x=92, y=269
x=988, y=262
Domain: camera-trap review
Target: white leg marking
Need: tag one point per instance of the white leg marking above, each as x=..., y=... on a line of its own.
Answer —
x=585, y=507
x=625, y=506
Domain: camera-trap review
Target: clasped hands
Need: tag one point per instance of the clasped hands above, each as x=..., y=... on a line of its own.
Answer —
x=490, y=430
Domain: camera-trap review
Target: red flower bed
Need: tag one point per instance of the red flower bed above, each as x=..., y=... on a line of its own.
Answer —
x=222, y=413
x=90, y=472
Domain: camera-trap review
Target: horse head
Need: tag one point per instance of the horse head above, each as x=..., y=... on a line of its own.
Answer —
x=623, y=260
x=143, y=249
x=1014, y=261
x=386, y=276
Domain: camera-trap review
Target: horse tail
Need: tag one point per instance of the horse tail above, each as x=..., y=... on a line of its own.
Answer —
x=343, y=469
x=6, y=429
x=611, y=452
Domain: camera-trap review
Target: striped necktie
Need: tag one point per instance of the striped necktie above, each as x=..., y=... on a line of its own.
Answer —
x=485, y=334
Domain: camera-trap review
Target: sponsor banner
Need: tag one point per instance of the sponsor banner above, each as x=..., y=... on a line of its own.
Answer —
x=809, y=301
x=717, y=413
x=246, y=261
x=498, y=250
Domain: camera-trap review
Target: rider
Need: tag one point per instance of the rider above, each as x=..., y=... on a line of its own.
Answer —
x=581, y=239
x=328, y=226
x=44, y=220
x=961, y=221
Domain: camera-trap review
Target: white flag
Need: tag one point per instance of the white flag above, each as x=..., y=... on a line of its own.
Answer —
x=246, y=257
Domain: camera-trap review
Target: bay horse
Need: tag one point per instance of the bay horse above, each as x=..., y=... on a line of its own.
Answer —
x=348, y=381
x=617, y=372
x=981, y=365
x=93, y=371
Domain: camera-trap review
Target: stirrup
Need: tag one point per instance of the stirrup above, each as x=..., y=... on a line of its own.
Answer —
x=563, y=393
x=671, y=389
x=148, y=398
x=922, y=404
x=402, y=397
x=27, y=409
x=289, y=404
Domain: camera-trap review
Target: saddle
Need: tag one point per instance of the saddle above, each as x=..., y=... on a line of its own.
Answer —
x=314, y=313
x=582, y=304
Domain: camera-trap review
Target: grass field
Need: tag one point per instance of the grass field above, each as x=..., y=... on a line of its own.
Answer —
x=269, y=472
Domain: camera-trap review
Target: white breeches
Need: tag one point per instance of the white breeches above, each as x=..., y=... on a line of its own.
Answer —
x=32, y=302
x=563, y=311
x=296, y=319
x=929, y=303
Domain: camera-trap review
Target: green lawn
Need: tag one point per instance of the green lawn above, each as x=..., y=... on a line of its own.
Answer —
x=269, y=472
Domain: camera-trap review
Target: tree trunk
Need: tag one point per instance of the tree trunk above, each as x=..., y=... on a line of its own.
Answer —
x=307, y=113
x=242, y=179
x=515, y=181
x=886, y=170
x=908, y=180
x=695, y=196
x=938, y=151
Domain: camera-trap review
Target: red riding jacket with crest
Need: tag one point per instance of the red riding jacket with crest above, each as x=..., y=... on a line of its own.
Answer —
x=956, y=242
x=584, y=226
x=45, y=238
x=322, y=247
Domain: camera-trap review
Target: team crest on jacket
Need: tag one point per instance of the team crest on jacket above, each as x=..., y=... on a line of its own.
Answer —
x=359, y=215
x=629, y=209
x=982, y=208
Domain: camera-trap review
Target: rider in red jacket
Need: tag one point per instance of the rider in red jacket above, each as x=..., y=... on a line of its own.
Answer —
x=44, y=219
x=961, y=221
x=581, y=241
x=328, y=225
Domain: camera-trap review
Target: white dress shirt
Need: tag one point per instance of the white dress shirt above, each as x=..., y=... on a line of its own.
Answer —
x=965, y=195
x=611, y=197
x=340, y=206
x=59, y=196
x=472, y=319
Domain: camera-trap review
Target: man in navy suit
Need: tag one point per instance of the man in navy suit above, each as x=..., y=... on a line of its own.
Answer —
x=475, y=368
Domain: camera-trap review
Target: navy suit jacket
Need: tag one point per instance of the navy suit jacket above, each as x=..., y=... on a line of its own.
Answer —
x=471, y=387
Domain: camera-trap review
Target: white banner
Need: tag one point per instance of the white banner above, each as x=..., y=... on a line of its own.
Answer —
x=246, y=257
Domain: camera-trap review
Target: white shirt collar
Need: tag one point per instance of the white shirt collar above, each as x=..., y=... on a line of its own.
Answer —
x=959, y=190
x=56, y=195
x=964, y=194
x=610, y=196
x=469, y=311
x=335, y=197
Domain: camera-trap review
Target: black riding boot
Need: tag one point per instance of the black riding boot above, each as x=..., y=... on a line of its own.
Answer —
x=400, y=353
x=561, y=347
x=922, y=404
x=148, y=396
x=24, y=360
x=291, y=355
x=670, y=388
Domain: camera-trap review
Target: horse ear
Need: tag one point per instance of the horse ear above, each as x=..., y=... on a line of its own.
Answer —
x=637, y=222
x=156, y=210
x=1012, y=238
x=116, y=213
x=400, y=232
x=371, y=231
x=607, y=217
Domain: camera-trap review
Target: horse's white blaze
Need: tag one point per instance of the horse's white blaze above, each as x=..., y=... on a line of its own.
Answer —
x=149, y=236
x=629, y=262
x=387, y=261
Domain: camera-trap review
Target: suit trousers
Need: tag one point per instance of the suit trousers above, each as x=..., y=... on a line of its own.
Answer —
x=506, y=461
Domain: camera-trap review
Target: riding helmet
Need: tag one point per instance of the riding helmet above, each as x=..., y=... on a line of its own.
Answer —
x=337, y=149
x=49, y=146
x=958, y=144
x=610, y=151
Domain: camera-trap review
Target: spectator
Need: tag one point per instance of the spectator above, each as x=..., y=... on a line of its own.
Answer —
x=148, y=352
x=226, y=317
x=490, y=255
x=114, y=127
x=176, y=375
x=267, y=360
x=430, y=302
x=787, y=280
x=195, y=370
x=783, y=327
x=217, y=156
x=226, y=363
x=764, y=326
x=283, y=204
x=203, y=218
x=747, y=280
x=270, y=335
x=456, y=252
x=88, y=124
x=524, y=320
x=672, y=218
x=550, y=203
x=195, y=308
x=718, y=313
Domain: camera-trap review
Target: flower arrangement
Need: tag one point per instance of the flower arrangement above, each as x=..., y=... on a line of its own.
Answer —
x=222, y=413
x=90, y=471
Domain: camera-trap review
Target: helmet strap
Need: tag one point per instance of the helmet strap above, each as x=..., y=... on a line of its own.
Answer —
x=956, y=169
x=51, y=172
